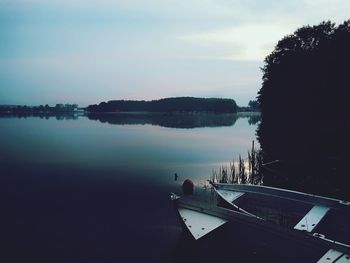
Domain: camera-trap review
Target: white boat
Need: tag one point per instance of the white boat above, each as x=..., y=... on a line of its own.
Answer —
x=298, y=227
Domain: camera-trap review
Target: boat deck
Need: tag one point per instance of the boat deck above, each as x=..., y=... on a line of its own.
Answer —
x=264, y=220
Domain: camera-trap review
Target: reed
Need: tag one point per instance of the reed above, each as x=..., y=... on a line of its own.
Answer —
x=245, y=171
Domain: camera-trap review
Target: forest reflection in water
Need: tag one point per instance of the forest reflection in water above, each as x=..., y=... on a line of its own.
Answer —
x=175, y=120
x=169, y=120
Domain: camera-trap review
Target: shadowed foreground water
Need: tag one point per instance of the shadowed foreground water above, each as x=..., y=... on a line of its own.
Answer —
x=77, y=190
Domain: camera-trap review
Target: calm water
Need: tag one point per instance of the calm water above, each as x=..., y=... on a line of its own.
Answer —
x=97, y=189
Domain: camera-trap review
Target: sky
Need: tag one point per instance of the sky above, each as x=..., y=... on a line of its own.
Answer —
x=88, y=51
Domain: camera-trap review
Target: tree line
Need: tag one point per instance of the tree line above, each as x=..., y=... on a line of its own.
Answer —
x=58, y=108
x=178, y=104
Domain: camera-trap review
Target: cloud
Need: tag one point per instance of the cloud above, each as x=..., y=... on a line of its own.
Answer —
x=247, y=41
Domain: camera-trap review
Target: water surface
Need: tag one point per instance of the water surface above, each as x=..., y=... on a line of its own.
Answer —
x=97, y=189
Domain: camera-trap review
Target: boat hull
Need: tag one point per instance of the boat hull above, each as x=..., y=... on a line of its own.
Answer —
x=251, y=237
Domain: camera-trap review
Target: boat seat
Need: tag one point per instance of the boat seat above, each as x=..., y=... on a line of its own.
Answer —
x=229, y=196
x=199, y=224
x=334, y=256
x=312, y=218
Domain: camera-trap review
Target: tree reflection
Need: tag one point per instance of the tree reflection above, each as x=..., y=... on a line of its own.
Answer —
x=170, y=120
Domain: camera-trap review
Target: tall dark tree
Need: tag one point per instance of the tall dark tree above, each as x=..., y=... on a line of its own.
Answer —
x=303, y=101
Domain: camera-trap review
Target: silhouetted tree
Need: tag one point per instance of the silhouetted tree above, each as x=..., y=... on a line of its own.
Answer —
x=254, y=105
x=303, y=101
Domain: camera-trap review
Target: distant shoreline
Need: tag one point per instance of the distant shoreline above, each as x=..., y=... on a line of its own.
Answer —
x=84, y=112
x=175, y=105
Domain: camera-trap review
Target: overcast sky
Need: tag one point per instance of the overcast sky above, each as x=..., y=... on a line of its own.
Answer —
x=87, y=51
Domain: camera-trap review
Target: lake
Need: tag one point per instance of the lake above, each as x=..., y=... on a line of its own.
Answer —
x=96, y=188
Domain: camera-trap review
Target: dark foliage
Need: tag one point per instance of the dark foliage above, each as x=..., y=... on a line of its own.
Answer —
x=19, y=109
x=304, y=108
x=180, y=104
x=254, y=105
